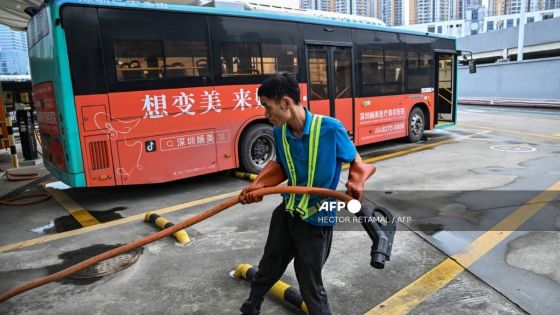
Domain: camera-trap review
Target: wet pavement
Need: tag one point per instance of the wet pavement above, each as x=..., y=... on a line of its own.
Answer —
x=497, y=160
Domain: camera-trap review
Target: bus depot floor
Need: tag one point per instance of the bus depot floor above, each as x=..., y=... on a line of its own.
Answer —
x=473, y=269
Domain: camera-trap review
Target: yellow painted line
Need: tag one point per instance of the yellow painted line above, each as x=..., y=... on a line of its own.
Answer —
x=422, y=288
x=78, y=212
x=555, y=136
x=403, y=152
x=137, y=217
x=414, y=149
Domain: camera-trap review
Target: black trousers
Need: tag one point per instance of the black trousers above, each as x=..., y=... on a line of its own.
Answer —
x=289, y=237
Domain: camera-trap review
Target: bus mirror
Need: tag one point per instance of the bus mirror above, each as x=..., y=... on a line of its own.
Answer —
x=472, y=66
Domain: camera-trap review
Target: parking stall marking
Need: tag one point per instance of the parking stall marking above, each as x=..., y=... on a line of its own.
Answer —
x=137, y=217
x=406, y=299
x=551, y=136
x=78, y=212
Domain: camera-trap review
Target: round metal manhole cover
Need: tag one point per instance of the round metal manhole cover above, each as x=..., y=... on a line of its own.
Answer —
x=513, y=148
x=110, y=265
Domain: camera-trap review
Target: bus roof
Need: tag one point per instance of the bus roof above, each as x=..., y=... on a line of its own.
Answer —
x=239, y=13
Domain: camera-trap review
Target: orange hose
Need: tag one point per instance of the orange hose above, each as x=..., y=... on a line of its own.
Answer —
x=163, y=233
x=35, y=198
x=21, y=176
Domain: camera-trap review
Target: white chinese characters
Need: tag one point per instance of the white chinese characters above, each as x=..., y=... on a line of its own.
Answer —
x=191, y=104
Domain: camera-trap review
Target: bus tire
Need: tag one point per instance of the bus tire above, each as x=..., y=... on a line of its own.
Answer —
x=256, y=147
x=416, y=121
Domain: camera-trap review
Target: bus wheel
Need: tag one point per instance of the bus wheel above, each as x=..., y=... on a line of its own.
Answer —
x=257, y=148
x=415, y=125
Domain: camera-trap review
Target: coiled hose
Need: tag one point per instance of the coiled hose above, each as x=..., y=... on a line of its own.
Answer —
x=163, y=233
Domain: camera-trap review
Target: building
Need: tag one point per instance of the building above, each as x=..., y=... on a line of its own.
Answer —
x=552, y=4
x=501, y=7
x=320, y=14
x=461, y=28
x=354, y=7
x=464, y=11
x=13, y=52
x=427, y=11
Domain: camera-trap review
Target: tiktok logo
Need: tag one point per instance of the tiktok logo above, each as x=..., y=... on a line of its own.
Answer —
x=150, y=146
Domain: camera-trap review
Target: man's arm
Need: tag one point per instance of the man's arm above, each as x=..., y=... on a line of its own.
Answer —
x=271, y=175
x=358, y=173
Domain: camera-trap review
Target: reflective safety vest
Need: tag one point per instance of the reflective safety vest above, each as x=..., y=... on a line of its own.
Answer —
x=302, y=207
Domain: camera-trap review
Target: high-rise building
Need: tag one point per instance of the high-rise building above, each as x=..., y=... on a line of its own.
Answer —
x=502, y=7
x=428, y=11
x=470, y=5
x=411, y=11
x=354, y=7
x=496, y=7
x=552, y=4
x=13, y=52
x=361, y=7
x=389, y=11
x=536, y=5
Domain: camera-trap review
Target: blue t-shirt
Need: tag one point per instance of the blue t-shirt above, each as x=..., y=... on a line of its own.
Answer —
x=334, y=148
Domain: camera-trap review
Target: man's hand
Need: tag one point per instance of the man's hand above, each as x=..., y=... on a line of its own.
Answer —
x=358, y=173
x=246, y=197
x=271, y=175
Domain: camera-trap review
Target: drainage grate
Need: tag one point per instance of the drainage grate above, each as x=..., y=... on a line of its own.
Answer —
x=109, y=266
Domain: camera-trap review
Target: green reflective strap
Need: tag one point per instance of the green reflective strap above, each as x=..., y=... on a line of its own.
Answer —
x=312, y=210
x=312, y=163
x=291, y=168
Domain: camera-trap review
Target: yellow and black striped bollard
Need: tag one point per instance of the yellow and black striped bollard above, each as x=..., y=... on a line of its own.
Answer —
x=161, y=222
x=280, y=289
x=12, y=142
x=243, y=175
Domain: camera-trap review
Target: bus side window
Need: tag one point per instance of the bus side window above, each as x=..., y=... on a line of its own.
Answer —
x=279, y=57
x=394, y=71
x=186, y=59
x=373, y=71
x=245, y=59
x=144, y=59
x=241, y=59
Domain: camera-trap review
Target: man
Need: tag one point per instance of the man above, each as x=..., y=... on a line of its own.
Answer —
x=310, y=150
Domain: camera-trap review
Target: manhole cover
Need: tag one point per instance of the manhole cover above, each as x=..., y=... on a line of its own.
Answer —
x=513, y=148
x=109, y=266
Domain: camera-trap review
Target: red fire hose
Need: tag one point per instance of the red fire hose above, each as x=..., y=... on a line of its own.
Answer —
x=159, y=235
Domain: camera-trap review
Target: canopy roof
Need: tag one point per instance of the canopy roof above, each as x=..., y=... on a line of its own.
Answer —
x=12, y=14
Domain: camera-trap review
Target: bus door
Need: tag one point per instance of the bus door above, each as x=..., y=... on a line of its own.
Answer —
x=445, y=81
x=330, y=82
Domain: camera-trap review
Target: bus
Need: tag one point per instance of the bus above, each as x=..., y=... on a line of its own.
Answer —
x=130, y=92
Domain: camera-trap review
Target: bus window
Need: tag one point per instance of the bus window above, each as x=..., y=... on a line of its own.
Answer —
x=413, y=60
x=419, y=70
x=241, y=59
x=372, y=71
x=343, y=73
x=278, y=58
x=138, y=60
x=318, y=74
x=186, y=59
x=394, y=68
x=248, y=59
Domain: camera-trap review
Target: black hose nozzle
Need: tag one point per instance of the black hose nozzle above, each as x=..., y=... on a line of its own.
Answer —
x=380, y=225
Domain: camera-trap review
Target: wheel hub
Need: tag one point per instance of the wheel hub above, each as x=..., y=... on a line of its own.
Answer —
x=261, y=150
x=416, y=124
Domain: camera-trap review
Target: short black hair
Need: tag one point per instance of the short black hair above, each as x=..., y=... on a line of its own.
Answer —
x=279, y=85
